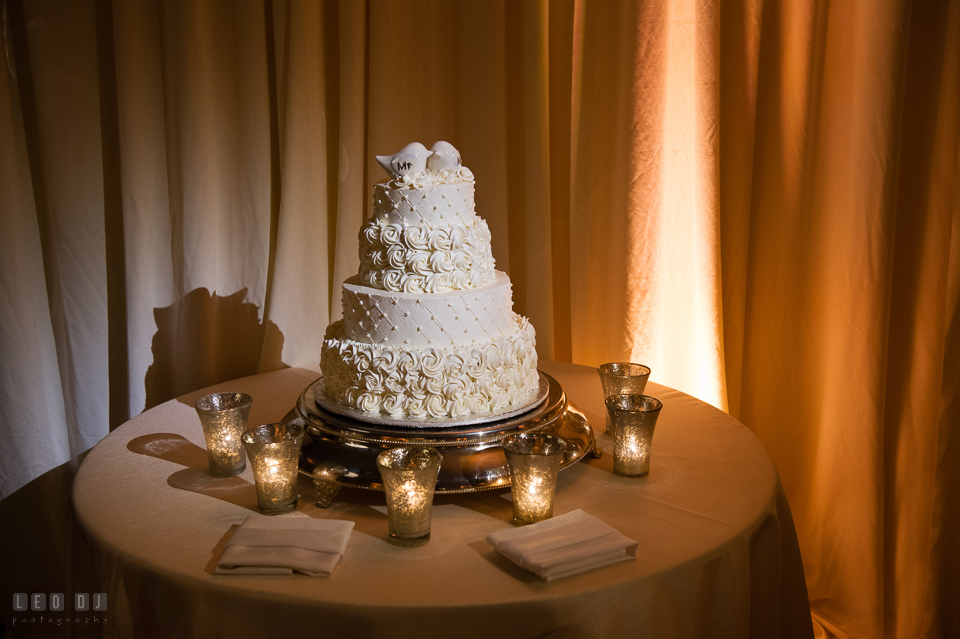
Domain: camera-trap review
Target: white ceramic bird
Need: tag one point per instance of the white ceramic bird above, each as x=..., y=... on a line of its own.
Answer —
x=409, y=160
x=444, y=156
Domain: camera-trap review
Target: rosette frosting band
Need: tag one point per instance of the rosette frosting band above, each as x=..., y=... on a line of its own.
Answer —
x=418, y=383
x=425, y=239
x=414, y=259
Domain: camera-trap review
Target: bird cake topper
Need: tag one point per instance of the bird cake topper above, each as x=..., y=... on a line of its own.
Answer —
x=444, y=156
x=409, y=160
x=414, y=159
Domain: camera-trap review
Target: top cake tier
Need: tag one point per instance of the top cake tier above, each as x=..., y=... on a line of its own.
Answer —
x=425, y=237
x=427, y=202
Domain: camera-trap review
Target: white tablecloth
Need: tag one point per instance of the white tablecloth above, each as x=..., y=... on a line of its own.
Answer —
x=717, y=554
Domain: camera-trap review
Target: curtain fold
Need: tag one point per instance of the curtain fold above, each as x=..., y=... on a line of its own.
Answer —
x=848, y=259
x=54, y=274
x=757, y=199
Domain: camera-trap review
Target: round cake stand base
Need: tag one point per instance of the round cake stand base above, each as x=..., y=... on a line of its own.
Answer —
x=339, y=451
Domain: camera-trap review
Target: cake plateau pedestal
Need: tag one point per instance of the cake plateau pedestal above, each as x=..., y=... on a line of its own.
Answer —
x=339, y=451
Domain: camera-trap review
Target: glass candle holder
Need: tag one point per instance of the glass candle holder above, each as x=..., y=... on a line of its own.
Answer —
x=409, y=478
x=223, y=417
x=622, y=378
x=633, y=418
x=274, y=451
x=534, y=461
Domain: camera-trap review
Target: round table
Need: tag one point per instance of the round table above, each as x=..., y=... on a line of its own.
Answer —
x=717, y=551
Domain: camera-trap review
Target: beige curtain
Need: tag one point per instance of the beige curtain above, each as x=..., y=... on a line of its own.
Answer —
x=756, y=198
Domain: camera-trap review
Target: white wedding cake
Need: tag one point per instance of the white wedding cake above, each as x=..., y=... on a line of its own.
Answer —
x=428, y=327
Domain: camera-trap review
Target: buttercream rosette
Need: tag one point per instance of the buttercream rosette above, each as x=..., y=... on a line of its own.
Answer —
x=432, y=382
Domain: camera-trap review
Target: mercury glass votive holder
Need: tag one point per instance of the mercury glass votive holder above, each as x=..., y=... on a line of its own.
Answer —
x=534, y=461
x=223, y=417
x=274, y=451
x=622, y=378
x=409, y=477
x=633, y=418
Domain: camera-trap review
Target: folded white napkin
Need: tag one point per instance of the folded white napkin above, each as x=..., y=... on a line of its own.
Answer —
x=565, y=545
x=281, y=545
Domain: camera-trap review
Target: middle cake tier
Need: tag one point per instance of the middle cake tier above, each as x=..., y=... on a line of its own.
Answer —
x=440, y=320
x=430, y=356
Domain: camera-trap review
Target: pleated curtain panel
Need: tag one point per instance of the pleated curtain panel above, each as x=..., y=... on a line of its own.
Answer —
x=756, y=198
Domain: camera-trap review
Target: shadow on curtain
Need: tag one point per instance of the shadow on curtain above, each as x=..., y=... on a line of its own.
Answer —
x=203, y=339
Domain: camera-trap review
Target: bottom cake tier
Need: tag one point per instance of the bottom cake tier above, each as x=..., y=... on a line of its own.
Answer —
x=432, y=382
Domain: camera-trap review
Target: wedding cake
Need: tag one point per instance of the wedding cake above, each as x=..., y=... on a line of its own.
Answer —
x=428, y=331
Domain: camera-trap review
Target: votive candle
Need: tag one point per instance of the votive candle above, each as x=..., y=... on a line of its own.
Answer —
x=633, y=418
x=223, y=417
x=534, y=460
x=409, y=480
x=274, y=451
x=622, y=378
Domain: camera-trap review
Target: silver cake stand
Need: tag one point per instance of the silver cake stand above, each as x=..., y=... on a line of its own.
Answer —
x=341, y=451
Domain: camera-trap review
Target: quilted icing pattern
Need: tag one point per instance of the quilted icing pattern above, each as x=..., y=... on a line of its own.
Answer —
x=454, y=319
x=442, y=204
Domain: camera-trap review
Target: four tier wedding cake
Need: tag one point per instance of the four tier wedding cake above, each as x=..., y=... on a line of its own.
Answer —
x=428, y=327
